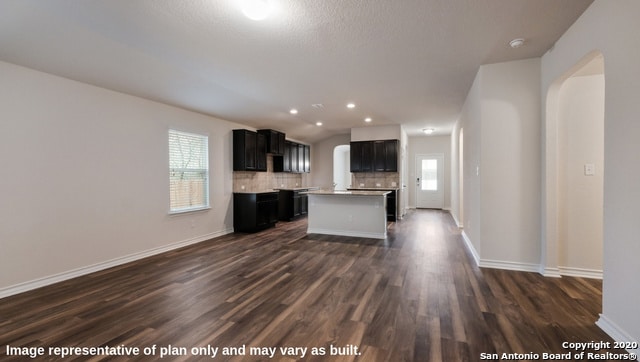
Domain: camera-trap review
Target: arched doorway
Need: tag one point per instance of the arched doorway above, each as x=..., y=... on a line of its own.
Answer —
x=574, y=157
x=341, y=167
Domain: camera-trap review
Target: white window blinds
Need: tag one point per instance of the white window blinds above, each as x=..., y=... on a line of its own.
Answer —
x=188, y=171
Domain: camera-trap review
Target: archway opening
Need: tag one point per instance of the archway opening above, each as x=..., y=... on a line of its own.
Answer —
x=342, y=167
x=574, y=171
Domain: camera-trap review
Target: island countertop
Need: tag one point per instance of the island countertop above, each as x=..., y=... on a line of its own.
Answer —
x=348, y=213
x=310, y=188
x=349, y=192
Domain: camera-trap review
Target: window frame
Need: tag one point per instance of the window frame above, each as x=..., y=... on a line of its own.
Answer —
x=206, y=203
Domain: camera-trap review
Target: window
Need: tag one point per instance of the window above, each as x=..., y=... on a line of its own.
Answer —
x=188, y=171
x=429, y=175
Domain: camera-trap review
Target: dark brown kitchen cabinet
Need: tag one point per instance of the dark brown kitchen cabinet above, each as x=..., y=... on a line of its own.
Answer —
x=374, y=156
x=385, y=156
x=275, y=141
x=293, y=156
x=254, y=211
x=296, y=158
x=261, y=152
x=244, y=150
x=361, y=155
x=249, y=151
x=391, y=155
x=307, y=159
x=292, y=204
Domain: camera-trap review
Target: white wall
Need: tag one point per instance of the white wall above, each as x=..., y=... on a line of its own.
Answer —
x=611, y=28
x=322, y=160
x=510, y=162
x=581, y=141
x=85, y=177
x=372, y=133
x=501, y=125
x=470, y=122
x=426, y=145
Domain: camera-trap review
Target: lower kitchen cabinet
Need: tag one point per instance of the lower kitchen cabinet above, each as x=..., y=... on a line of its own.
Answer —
x=292, y=204
x=254, y=211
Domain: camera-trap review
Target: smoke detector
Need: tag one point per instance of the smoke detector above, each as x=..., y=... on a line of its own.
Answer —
x=516, y=43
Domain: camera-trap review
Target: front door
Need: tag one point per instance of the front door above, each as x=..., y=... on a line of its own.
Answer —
x=430, y=181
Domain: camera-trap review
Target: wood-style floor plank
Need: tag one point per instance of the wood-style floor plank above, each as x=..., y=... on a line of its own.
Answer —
x=416, y=296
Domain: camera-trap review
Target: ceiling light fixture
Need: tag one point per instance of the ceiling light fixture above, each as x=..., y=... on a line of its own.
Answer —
x=428, y=130
x=368, y=119
x=293, y=111
x=318, y=124
x=256, y=9
x=351, y=105
x=516, y=43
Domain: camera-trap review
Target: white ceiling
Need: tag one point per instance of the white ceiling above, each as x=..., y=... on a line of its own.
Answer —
x=408, y=62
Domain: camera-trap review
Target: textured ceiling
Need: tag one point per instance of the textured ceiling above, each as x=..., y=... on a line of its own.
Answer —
x=408, y=62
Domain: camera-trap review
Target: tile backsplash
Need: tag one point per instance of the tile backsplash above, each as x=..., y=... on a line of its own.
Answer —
x=375, y=179
x=262, y=181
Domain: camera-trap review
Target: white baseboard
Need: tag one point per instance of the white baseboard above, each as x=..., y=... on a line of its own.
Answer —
x=470, y=247
x=580, y=272
x=357, y=234
x=615, y=332
x=56, y=278
x=509, y=265
x=550, y=272
x=455, y=219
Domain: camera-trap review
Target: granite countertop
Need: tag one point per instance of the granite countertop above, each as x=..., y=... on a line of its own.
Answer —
x=310, y=188
x=350, y=193
x=254, y=192
x=374, y=188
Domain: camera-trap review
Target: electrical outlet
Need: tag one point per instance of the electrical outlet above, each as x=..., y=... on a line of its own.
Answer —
x=242, y=187
x=393, y=184
x=378, y=185
x=361, y=185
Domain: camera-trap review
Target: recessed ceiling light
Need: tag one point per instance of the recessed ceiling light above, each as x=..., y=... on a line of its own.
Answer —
x=428, y=130
x=293, y=111
x=351, y=105
x=516, y=43
x=256, y=9
x=368, y=119
x=318, y=124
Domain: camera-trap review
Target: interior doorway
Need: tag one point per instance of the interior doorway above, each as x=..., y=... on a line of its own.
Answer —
x=341, y=167
x=574, y=183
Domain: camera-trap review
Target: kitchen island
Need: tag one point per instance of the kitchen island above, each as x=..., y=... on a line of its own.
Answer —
x=348, y=213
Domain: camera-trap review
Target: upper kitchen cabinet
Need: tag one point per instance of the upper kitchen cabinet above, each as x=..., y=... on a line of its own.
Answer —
x=385, y=155
x=374, y=156
x=361, y=155
x=275, y=141
x=307, y=159
x=249, y=151
x=296, y=158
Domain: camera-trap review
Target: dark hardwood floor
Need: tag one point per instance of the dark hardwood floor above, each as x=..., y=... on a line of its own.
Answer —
x=416, y=296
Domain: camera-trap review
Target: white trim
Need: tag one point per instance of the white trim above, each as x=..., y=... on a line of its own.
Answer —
x=550, y=272
x=74, y=273
x=509, y=265
x=358, y=234
x=455, y=219
x=580, y=272
x=470, y=247
x=615, y=332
